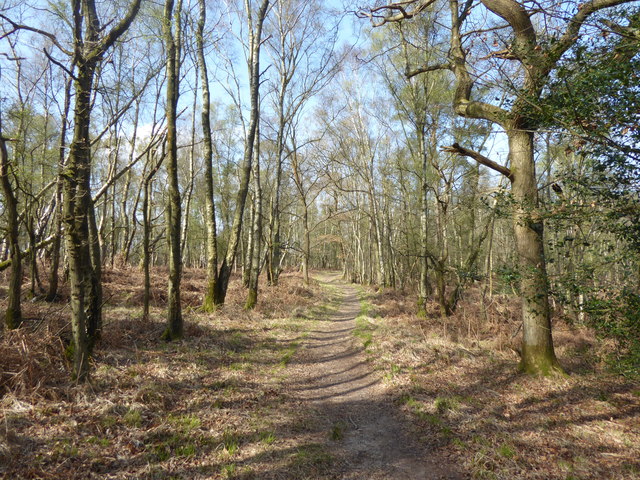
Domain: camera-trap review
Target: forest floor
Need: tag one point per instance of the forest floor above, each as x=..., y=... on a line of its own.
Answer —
x=330, y=381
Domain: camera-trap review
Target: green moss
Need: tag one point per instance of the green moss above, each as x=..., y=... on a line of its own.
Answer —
x=209, y=305
x=169, y=335
x=69, y=352
x=252, y=299
x=13, y=318
x=422, y=308
x=540, y=361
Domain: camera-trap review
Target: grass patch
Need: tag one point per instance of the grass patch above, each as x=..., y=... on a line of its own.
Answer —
x=445, y=404
x=185, y=422
x=167, y=445
x=133, y=418
x=507, y=451
x=230, y=442
x=267, y=438
x=314, y=456
x=288, y=354
x=364, y=331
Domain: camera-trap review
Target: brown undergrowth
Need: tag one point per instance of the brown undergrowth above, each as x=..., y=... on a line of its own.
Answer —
x=209, y=406
x=456, y=379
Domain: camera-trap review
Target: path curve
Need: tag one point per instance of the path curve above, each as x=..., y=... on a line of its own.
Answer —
x=334, y=378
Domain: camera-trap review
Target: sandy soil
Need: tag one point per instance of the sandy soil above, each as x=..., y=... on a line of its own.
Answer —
x=332, y=376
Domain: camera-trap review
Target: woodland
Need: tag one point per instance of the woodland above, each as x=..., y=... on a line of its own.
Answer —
x=310, y=239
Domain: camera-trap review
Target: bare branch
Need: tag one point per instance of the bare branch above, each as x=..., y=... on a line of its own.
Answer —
x=59, y=64
x=481, y=159
x=506, y=54
x=394, y=12
x=121, y=27
x=50, y=36
x=427, y=68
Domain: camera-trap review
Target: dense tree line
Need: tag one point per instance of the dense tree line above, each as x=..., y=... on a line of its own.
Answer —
x=490, y=145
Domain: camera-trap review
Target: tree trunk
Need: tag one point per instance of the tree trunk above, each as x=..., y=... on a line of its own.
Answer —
x=254, y=79
x=89, y=50
x=94, y=308
x=77, y=177
x=256, y=257
x=275, y=247
x=189, y=192
x=146, y=227
x=127, y=234
x=538, y=356
x=307, y=244
x=146, y=249
x=424, y=288
x=172, y=42
x=210, y=219
x=248, y=253
x=13, y=315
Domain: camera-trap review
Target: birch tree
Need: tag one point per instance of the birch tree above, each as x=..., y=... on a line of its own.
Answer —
x=171, y=29
x=255, y=24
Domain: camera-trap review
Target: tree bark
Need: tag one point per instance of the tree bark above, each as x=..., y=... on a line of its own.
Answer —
x=538, y=356
x=78, y=206
x=172, y=45
x=77, y=176
x=256, y=257
x=13, y=314
x=210, y=219
x=52, y=293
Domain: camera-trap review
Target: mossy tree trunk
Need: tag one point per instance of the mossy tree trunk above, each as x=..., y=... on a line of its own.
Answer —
x=13, y=314
x=172, y=47
x=84, y=278
x=77, y=195
x=538, y=356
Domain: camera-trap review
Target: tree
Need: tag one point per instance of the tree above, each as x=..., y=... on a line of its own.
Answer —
x=13, y=315
x=253, y=64
x=255, y=256
x=90, y=46
x=173, y=46
x=210, y=215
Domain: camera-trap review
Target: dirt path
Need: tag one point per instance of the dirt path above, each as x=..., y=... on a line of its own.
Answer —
x=361, y=426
